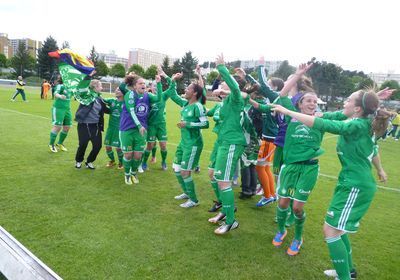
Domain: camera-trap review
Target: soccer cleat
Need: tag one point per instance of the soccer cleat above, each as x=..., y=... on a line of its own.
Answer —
x=90, y=165
x=181, y=196
x=164, y=166
x=265, y=201
x=128, y=180
x=62, y=147
x=217, y=205
x=197, y=169
x=219, y=217
x=13, y=100
x=333, y=273
x=120, y=166
x=225, y=228
x=153, y=160
x=140, y=169
x=144, y=166
x=294, y=248
x=189, y=204
x=53, y=148
x=111, y=163
x=278, y=239
x=78, y=165
x=134, y=178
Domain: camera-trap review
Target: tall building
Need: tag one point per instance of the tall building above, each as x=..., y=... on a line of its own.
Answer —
x=31, y=46
x=271, y=66
x=110, y=59
x=380, y=78
x=146, y=58
x=5, y=46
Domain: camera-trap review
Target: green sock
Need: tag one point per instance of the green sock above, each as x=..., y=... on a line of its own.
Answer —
x=146, y=155
x=154, y=150
x=290, y=216
x=63, y=135
x=164, y=155
x=338, y=254
x=299, y=225
x=53, y=137
x=180, y=181
x=135, y=164
x=228, y=204
x=190, y=190
x=214, y=185
x=127, y=165
x=120, y=156
x=110, y=154
x=346, y=241
x=281, y=215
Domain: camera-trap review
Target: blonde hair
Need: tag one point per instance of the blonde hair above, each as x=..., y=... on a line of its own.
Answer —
x=93, y=83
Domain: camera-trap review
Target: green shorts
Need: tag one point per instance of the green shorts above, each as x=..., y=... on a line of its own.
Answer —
x=187, y=159
x=278, y=160
x=226, y=161
x=348, y=206
x=297, y=180
x=112, y=137
x=157, y=131
x=132, y=140
x=61, y=117
x=213, y=156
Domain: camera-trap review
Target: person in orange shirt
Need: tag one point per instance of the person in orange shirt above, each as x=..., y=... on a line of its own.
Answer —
x=46, y=87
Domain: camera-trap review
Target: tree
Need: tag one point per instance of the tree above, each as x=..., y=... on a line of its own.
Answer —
x=137, y=69
x=151, y=72
x=188, y=64
x=211, y=77
x=94, y=56
x=65, y=45
x=102, y=68
x=393, y=85
x=284, y=70
x=22, y=61
x=47, y=65
x=165, y=66
x=118, y=70
x=3, y=60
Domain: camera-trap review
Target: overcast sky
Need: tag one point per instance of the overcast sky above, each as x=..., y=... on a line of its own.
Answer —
x=357, y=35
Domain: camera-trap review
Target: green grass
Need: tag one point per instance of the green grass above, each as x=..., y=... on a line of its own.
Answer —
x=89, y=225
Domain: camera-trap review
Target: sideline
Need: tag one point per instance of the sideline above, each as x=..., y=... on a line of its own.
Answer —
x=207, y=151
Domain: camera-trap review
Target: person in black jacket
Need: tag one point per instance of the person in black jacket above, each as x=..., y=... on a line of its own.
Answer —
x=90, y=120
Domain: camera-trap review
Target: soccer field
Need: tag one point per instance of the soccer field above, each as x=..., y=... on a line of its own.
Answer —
x=87, y=224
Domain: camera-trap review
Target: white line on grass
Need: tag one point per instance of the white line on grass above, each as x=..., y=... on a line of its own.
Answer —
x=207, y=151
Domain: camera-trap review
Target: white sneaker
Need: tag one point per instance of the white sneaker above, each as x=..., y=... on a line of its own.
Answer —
x=219, y=217
x=330, y=273
x=128, y=180
x=90, y=165
x=224, y=228
x=189, y=204
x=134, y=178
x=181, y=196
x=78, y=165
x=140, y=169
x=260, y=190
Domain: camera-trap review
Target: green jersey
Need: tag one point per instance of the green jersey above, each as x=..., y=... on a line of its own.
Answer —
x=231, y=131
x=214, y=113
x=62, y=103
x=194, y=116
x=355, y=148
x=157, y=111
x=115, y=111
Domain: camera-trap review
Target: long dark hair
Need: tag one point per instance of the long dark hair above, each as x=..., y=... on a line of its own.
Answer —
x=199, y=93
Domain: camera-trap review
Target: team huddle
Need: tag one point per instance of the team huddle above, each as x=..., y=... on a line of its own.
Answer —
x=268, y=129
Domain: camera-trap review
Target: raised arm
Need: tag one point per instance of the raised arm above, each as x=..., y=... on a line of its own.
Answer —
x=174, y=95
x=227, y=77
x=289, y=84
x=265, y=89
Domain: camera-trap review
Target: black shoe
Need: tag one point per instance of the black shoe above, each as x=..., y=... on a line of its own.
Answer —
x=217, y=205
x=353, y=274
x=244, y=195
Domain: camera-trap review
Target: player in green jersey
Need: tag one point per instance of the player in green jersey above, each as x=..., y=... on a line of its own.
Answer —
x=61, y=116
x=193, y=119
x=356, y=187
x=157, y=127
x=112, y=135
x=231, y=144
